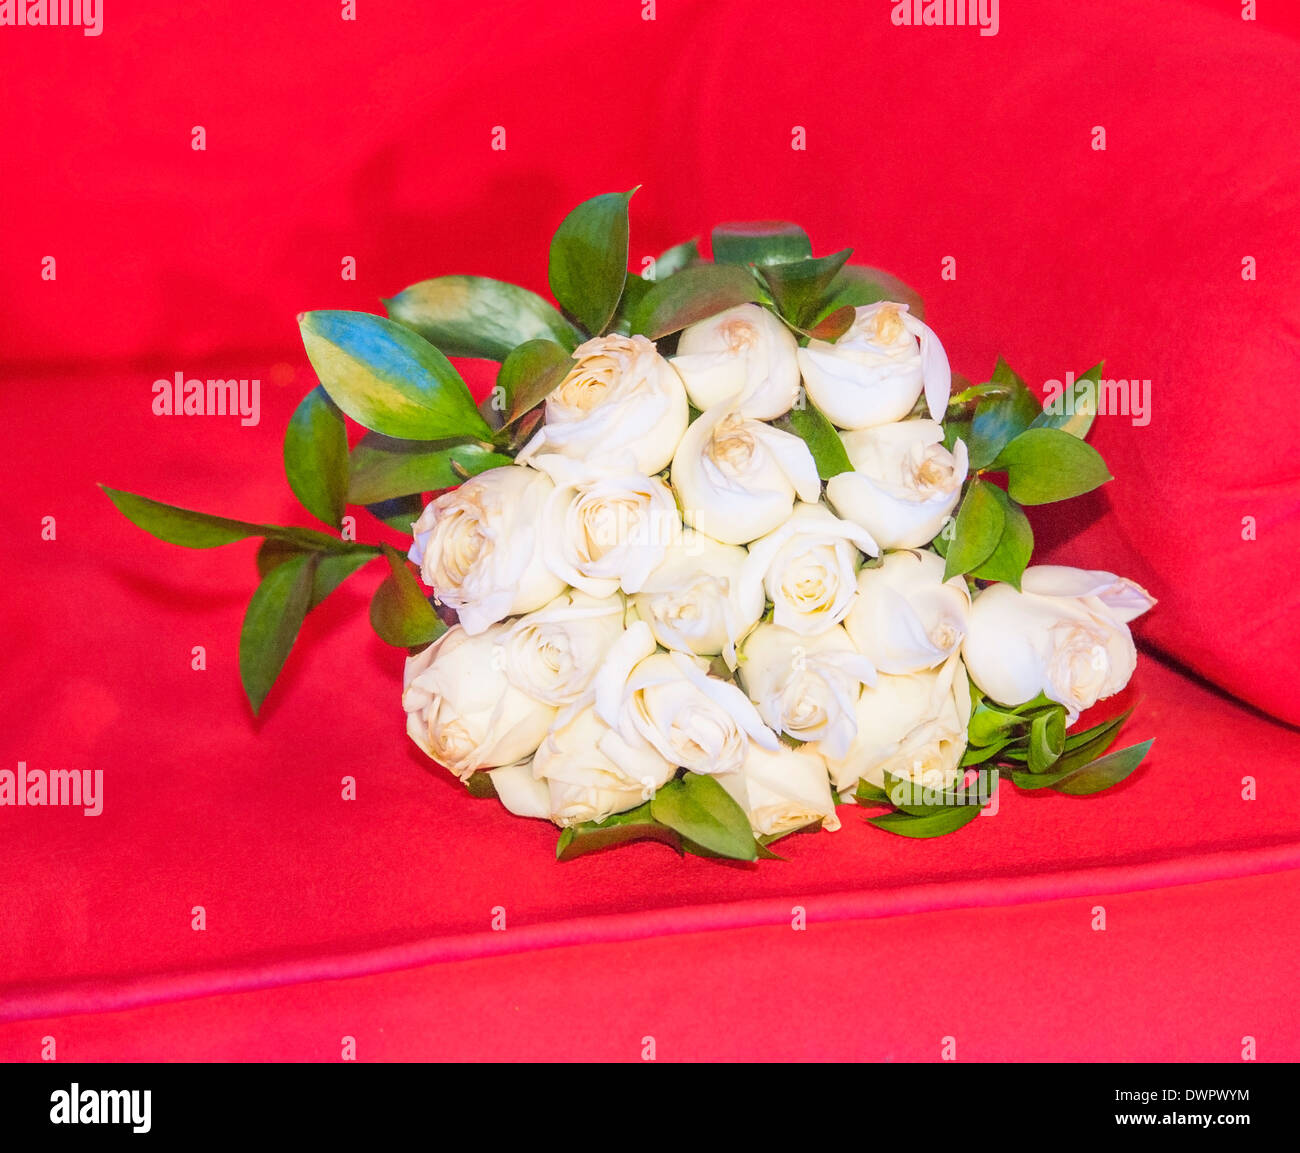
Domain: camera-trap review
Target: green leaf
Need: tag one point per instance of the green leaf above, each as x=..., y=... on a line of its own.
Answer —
x=799, y=286
x=985, y=754
x=694, y=294
x=398, y=512
x=832, y=326
x=1015, y=546
x=383, y=468
x=701, y=810
x=634, y=291
x=528, y=375
x=670, y=262
x=988, y=724
x=316, y=457
x=811, y=426
x=1000, y=416
x=977, y=392
x=1107, y=730
x=856, y=285
x=1046, y=464
x=400, y=613
x=271, y=624
x=480, y=785
x=1089, y=778
x=477, y=316
x=760, y=242
x=1046, y=740
x=1083, y=747
x=698, y=850
x=980, y=522
x=180, y=526
x=190, y=529
x=674, y=259
x=1041, y=702
x=332, y=569
x=634, y=825
x=870, y=794
x=522, y=430
x=769, y=839
x=388, y=378
x=936, y=823
x=953, y=431
x=909, y=797
x=1024, y=716
x=1078, y=405
x=589, y=259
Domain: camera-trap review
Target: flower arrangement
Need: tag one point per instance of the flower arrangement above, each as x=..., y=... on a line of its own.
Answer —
x=722, y=550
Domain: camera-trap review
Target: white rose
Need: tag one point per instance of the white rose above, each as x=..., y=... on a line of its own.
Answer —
x=520, y=792
x=904, y=484
x=737, y=479
x=809, y=568
x=1065, y=635
x=461, y=708
x=782, y=790
x=621, y=409
x=874, y=373
x=591, y=770
x=806, y=687
x=603, y=535
x=912, y=726
x=693, y=600
x=907, y=617
x=744, y=355
x=669, y=701
x=553, y=653
x=477, y=546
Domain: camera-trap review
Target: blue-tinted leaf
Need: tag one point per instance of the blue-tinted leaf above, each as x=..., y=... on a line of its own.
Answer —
x=388, y=378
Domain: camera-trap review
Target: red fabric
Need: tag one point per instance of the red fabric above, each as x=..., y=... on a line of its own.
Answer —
x=204, y=807
x=372, y=139
x=1029, y=982
x=328, y=139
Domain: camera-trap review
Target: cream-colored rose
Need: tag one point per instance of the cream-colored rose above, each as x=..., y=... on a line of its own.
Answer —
x=806, y=686
x=737, y=479
x=553, y=653
x=904, y=483
x=461, y=708
x=907, y=617
x=875, y=372
x=808, y=568
x=671, y=702
x=693, y=602
x=591, y=770
x=1065, y=634
x=913, y=727
x=621, y=409
x=744, y=356
x=478, y=549
x=609, y=534
x=783, y=789
x=520, y=792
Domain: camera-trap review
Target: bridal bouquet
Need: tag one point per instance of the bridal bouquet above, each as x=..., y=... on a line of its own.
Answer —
x=723, y=549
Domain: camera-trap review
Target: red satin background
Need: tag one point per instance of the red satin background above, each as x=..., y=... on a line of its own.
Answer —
x=329, y=139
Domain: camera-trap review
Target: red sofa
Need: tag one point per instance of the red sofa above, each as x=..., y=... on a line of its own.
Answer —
x=372, y=918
